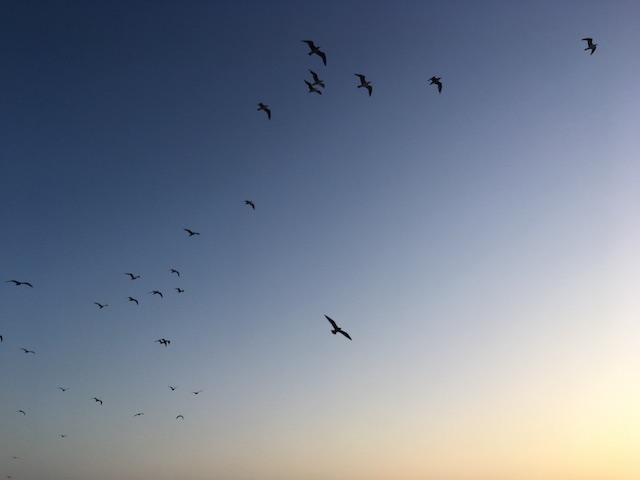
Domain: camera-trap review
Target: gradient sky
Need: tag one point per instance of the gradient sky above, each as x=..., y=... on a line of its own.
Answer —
x=479, y=245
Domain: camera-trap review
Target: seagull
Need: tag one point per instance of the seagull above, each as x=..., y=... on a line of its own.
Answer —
x=190, y=232
x=316, y=50
x=262, y=106
x=27, y=351
x=101, y=305
x=19, y=283
x=179, y=416
x=250, y=203
x=133, y=277
x=63, y=389
x=173, y=270
x=156, y=292
x=21, y=411
x=364, y=83
x=436, y=81
x=180, y=290
x=316, y=80
x=138, y=414
x=590, y=45
x=131, y=299
x=163, y=341
x=196, y=393
x=336, y=328
x=312, y=89
x=172, y=388
x=63, y=436
x=97, y=400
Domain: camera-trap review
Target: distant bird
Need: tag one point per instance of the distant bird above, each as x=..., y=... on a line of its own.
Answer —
x=27, y=351
x=1, y=339
x=173, y=270
x=131, y=299
x=18, y=283
x=590, y=45
x=101, y=305
x=163, y=341
x=262, y=106
x=21, y=411
x=172, y=388
x=97, y=400
x=179, y=416
x=63, y=436
x=196, y=393
x=138, y=414
x=315, y=50
x=63, y=389
x=336, y=328
x=364, y=83
x=133, y=277
x=316, y=80
x=156, y=292
x=191, y=232
x=16, y=458
x=436, y=81
x=180, y=290
x=250, y=203
x=312, y=89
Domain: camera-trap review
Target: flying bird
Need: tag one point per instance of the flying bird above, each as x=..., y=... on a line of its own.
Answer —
x=436, y=81
x=101, y=305
x=156, y=292
x=172, y=388
x=131, y=299
x=163, y=341
x=262, y=106
x=18, y=283
x=97, y=400
x=179, y=416
x=180, y=290
x=590, y=45
x=250, y=203
x=21, y=411
x=315, y=50
x=138, y=414
x=336, y=328
x=312, y=89
x=63, y=436
x=364, y=83
x=63, y=389
x=133, y=277
x=316, y=80
x=17, y=458
x=196, y=393
x=191, y=232
x=173, y=270
x=27, y=351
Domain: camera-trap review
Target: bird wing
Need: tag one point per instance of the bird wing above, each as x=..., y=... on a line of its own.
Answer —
x=335, y=326
x=323, y=56
x=310, y=43
x=345, y=334
x=439, y=87
x=315, y=76
x=361, y=77
x=370, y=88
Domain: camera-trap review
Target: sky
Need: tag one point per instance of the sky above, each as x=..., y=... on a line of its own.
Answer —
x=479, y=245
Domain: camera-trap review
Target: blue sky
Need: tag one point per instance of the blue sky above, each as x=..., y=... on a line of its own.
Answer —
x=479, y=245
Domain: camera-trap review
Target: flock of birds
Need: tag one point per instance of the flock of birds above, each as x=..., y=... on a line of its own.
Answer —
x=315, y=85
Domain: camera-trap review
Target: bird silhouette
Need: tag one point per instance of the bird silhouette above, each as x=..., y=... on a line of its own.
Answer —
x=131, y=299
x=590, y=45
x=18, y=283
x=63, y=436
x=196, y=393
x=364, y=83
x=138, y=414
x=163, y=341
x=156, y=292
x=27, y=351
x=16, y=458
x=172, y=388
x=191, y=232
x=63, y=389
x=180, y=290
x=315, y=50
x=101, y=305
x=173, y=270
x=250, y=203
x=262, y=106
x=436, y=81
x=179, y=416
x=97, y=400
x=21, y=411
x=133, y=277
x=336, y=328
x=316, y=80
x=312, y=89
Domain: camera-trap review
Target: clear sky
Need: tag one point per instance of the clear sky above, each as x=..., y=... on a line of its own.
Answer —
x=479, y=245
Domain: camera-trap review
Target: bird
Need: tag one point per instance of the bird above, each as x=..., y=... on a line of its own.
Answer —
x=1, y=339
x=63, y=389
x=316, y=50
x=436, y=81
x=312, y=89
x=133, y=277
x=138, y=414
x=156, y=292
x=173, y=270
x=336, y=328
x=364, y=83
x=63, y=435
x=590, y=45
x=27, y=351
x=262, y=106
x=21, y=411
x=196, y=393
x=179, y=416
x=97, y=400
x=18, y=283
x=101, y=305
x=163, y=341
x=172, y=388
x=131, y=299
x=191, y=232
x=316, y=80
x=17, y=458
x=250, y=203
x=180, y=290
